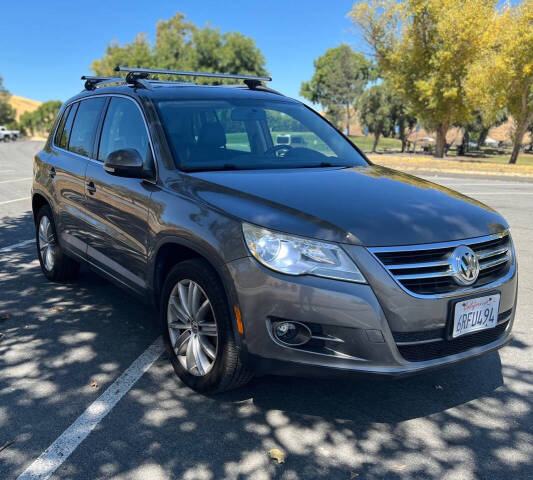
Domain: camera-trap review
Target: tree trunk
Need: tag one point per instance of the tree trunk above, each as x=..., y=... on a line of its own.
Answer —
x=463, y=148
x=482, y=137
x=376, y=140
x=440, y=147
x=348, y=120
x=518, y=137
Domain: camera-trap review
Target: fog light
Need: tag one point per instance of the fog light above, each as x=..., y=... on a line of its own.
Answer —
x=291, y=333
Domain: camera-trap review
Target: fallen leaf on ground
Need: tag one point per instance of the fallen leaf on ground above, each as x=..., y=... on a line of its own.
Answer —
x=400, y=468
x=58, y=309
x=94, y=384
x=277, y=454
x=353, y=474
x=5, y=445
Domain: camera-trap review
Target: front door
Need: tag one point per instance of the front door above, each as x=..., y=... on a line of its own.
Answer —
x=118, y=206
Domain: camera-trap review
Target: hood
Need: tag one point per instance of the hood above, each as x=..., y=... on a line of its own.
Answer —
x=368, y=205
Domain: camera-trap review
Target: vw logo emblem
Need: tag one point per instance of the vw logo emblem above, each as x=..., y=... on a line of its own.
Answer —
x=465, y=265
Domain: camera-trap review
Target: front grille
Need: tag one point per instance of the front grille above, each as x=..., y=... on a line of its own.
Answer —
x=430, y=351
x=426, y=269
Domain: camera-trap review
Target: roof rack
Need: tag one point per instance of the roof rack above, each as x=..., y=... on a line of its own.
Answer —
x=136, y=75
x=92, y=82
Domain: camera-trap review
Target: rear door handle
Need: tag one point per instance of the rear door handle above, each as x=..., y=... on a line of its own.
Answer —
x=91, y=188
x=52, y=172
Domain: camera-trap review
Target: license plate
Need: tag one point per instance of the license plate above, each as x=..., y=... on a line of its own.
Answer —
x=475, y=314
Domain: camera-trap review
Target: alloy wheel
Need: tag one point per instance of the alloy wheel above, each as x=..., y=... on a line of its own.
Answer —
x=47, y=243
x=192, y=327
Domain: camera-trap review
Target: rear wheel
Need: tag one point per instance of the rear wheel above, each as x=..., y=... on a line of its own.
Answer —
x=196, y=324
x=55, y=265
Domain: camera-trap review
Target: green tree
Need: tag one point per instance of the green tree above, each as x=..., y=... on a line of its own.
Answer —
x=7, y=112
x=375, y=109
x=181, y=45
x=425, y=49
x=40, y=121
x=503, y=75
x=402, y=119
x=339, y=79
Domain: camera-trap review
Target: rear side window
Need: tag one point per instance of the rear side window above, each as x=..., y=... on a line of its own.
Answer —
x=84, y=128
x=67, y=127
x=124, y=127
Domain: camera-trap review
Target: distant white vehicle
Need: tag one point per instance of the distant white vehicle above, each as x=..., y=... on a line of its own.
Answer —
x=7, y=135
x=490, y=142
x=293, y=140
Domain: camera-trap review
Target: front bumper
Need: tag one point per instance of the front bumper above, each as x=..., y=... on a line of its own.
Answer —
x=355, y=326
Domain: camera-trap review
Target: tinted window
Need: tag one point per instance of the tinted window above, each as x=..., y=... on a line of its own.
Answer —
x=65, y=134
x=124, y=128
x=61, y=126
x=252, y=134
x=83, y=130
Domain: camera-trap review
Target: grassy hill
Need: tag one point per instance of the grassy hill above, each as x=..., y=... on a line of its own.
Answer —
x=21, y=104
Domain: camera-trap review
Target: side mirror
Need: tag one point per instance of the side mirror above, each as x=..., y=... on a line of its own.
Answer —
x=126, y=162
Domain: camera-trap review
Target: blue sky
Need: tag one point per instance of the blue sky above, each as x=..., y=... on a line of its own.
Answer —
x=45, y=46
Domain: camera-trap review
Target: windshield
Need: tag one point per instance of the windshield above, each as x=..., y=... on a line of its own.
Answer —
x=251, y=134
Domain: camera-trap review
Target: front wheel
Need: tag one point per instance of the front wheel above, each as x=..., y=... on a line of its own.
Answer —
x=196, y=323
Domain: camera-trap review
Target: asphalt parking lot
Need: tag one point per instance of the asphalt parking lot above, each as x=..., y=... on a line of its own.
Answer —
x=62, y=346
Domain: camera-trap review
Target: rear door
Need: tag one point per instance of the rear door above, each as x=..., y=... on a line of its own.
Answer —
x=72, y=147
x=118, y=206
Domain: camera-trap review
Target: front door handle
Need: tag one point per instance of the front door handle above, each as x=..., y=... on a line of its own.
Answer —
x=91, y=188
x=52, y=172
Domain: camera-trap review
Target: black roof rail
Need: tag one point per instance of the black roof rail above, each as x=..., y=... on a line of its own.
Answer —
x=92, y=82
x=136, y=74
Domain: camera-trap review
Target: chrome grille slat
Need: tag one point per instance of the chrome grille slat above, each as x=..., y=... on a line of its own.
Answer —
x=493, y=263
x=405, y=266
x=426, y=270
x=491, y=253
x=416, y=276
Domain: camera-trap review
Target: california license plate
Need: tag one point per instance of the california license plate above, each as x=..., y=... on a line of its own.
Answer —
x=475, y=314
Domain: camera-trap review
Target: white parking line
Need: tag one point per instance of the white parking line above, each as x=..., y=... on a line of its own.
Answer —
x=16, y=180
x=68, y=441
x=16, y=245
x=497, y=193
x=15, y=200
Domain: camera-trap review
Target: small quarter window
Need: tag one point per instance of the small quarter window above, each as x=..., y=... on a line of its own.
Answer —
x=65, y=134
x=61, y=126
x=84, y=128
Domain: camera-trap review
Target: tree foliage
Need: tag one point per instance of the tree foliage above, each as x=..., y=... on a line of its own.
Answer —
x=374, y=108
x=339, y=79
x=503, y=75
x=425, y=48
x=181, y=45
x=40, y=121
x=7, y=112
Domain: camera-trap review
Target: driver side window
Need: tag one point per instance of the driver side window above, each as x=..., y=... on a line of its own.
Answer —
x=124, y=127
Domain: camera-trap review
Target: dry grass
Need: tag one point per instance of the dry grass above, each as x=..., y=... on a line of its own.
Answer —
x=22, y=105
x=430, y=164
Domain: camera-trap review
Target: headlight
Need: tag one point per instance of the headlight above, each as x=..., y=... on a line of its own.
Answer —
x=300, y=256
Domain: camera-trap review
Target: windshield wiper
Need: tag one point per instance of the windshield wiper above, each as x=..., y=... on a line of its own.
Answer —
x=226, y=166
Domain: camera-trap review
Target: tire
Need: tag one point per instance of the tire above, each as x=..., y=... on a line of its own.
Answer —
x=226, y=371
x=55, y=264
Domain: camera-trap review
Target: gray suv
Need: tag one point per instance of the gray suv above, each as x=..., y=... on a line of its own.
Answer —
x=266, y=257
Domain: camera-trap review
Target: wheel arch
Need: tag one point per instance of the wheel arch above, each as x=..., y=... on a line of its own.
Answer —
x=37, y=202
x=171, y=250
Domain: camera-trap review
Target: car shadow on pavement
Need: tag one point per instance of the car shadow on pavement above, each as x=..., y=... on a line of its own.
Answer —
x=14, y=229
